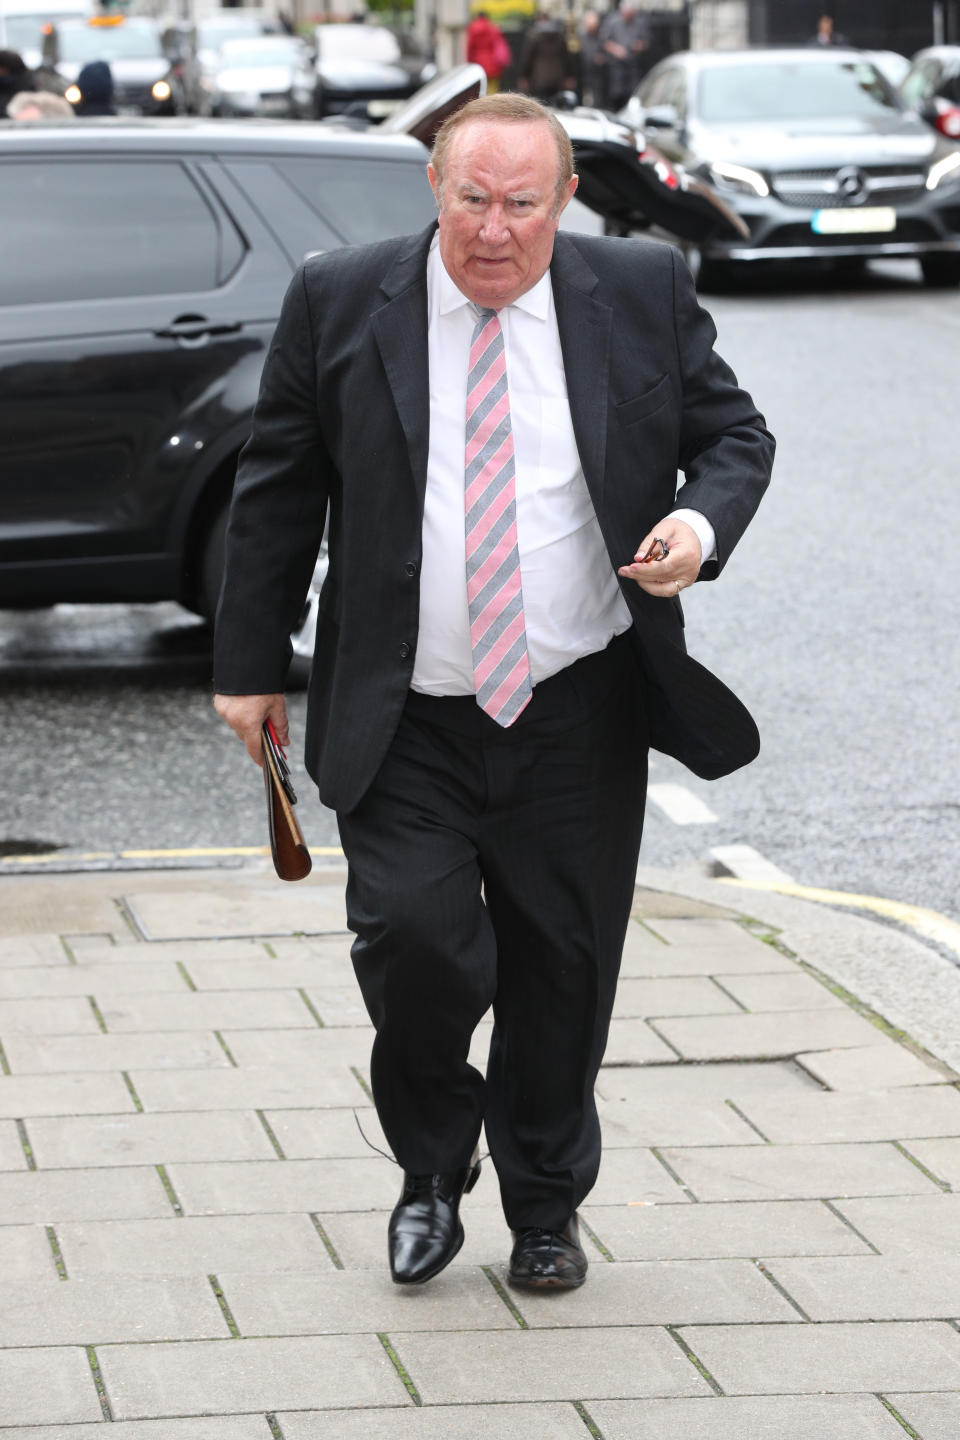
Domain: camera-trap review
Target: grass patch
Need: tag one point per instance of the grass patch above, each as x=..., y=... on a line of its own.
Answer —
x=401, y=1369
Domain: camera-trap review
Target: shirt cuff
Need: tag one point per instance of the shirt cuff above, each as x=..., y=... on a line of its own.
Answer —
x=704, y=531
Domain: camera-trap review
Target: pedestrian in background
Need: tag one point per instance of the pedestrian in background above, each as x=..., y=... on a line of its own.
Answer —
x=494, y=413
x=95, y=83
x=825, y=34
x=487, y=47
x=546, y=66
x=593, y=61
x=30, y=106
x=626, y=35
x=14, y=78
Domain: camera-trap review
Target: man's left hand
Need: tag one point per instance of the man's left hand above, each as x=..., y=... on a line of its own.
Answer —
x=666, y=577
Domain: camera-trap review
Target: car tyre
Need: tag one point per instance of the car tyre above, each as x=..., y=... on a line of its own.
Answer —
x=941, y=272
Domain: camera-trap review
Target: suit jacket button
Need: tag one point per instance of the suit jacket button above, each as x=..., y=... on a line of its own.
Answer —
x=404, y=650
x=410, y=568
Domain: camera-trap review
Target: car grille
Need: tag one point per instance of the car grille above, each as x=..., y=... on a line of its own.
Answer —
x=818, y=189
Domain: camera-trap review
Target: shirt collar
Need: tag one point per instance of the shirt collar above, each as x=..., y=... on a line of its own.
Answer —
x=535, y=302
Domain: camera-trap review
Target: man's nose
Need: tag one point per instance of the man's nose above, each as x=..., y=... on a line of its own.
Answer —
x=494, y=230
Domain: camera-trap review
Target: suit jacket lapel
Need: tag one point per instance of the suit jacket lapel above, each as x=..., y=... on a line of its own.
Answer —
x=400, y=327
x=584, y=325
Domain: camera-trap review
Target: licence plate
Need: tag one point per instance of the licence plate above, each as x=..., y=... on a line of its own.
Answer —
x=854, y=222
x=129, y=110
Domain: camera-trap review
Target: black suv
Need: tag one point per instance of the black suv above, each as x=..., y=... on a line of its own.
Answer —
x=142, y=266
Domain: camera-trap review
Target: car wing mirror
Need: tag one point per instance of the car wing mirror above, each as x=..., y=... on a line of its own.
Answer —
x=661, y=117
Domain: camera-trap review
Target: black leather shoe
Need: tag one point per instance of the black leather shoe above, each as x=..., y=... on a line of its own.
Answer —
x=548, y=1259
x=425, y=1231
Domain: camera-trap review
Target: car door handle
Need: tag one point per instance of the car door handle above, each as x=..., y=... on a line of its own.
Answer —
x=194, y=330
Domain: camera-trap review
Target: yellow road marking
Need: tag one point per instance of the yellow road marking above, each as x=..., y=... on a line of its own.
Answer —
x=929, y=923
x=192, y=854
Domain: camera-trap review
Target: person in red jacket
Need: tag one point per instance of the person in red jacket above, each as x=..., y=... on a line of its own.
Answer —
x=487, y=47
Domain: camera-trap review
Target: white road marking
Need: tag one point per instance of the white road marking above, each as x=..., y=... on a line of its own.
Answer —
x=748, y=865
x=681, y=805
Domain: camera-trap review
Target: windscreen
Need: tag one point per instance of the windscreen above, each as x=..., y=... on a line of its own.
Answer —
x=130, y=41
x=792, y=90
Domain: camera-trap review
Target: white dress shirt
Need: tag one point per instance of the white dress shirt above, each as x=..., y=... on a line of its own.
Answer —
x=571, y=595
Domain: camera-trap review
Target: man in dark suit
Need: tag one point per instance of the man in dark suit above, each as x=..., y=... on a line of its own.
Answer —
x=494, y=416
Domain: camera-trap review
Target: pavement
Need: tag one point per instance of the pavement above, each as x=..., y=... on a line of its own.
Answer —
x=192, y=1226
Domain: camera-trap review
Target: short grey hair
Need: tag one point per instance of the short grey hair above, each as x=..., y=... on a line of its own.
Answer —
x=508, y=109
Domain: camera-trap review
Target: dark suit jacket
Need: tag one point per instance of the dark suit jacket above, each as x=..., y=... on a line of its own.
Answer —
x=342, y=421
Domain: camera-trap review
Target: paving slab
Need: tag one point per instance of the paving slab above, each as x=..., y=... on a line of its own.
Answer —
x=344, y=1303
x=149, y=1139
x=880, y=1066
x=649, y=1121
x=935, y=1417
x=440, y=1422
x=359, y=1238
x=713, y=934
x=703, y=1084
x=629, y=1177
x=868, y=1115
x=236, y=1427
x=24, y=1252
x=211, y=1010
x=68, y=1015
x=940, y=1156
x=818, y=1359
x=235, y=1376
x=91, y=1312
x=22, y=1096
x=744, y=1228
x=648, y=956
x=907, y=1225
x=12, y=1156
x=260, y=1087
x=47, y=1386
x=462, y=1368
x=49, y=1197
x=349, y=1045
x=272, y=972
x=799, y=991
x=672, y=1292
x=780, y=1417
x=54, y=1054
x=796, y=1172
x=19, y=950
x=263, y=1186
x=100, y=980
x=229, y=911
x=745, y=1037
x=632, y=1042
x=873, y=1287
x=94, y=950
x=194, y=1245
x=339, y=1003
x=671, y=995
x=326, y=1134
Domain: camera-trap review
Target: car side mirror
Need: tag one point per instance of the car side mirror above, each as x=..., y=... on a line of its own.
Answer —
x=661, y=117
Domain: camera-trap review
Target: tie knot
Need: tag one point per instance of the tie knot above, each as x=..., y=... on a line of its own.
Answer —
x=484, y=313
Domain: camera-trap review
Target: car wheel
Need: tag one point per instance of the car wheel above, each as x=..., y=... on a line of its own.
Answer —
x=304, y=635
x=941, y=271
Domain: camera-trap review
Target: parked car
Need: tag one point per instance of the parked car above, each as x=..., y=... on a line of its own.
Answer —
x=932, y=87
x=145, y=78
x=201, y=43
x=271, y=75
x=128, y=375
x=818, y=155
x=360, y=64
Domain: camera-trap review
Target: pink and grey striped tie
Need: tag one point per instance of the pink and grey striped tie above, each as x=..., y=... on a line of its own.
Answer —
x=501, y=666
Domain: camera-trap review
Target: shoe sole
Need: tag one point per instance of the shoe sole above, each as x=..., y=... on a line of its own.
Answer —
x=546, y=1282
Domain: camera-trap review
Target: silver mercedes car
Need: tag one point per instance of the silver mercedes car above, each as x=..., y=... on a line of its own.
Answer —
x=814, y=150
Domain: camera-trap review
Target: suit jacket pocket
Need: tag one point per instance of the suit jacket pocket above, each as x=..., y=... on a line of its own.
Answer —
x=630, y=411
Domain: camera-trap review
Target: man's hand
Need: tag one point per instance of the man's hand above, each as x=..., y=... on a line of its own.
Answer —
x=245, y=715
x=666, y=577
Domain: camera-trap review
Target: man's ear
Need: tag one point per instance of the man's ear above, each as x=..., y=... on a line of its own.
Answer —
x=434, y=184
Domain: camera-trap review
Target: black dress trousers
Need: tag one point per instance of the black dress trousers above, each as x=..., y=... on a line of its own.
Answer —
x=495, y=867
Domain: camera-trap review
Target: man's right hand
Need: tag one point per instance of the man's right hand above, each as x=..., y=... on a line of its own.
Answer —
x=245, y=715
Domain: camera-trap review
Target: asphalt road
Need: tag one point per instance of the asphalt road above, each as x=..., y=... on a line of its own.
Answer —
x=836, y=621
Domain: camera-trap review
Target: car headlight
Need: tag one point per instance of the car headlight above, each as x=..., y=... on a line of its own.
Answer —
x=727, y=176
x=72, y=93
x=161, y=90
x=944, y=168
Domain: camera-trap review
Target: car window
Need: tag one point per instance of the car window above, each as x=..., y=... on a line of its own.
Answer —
x=794, y=90
x=130, y=40
x=89, y=229
x=651, y=91
x=363, y=199
x=673, y=91
x=357, y=42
